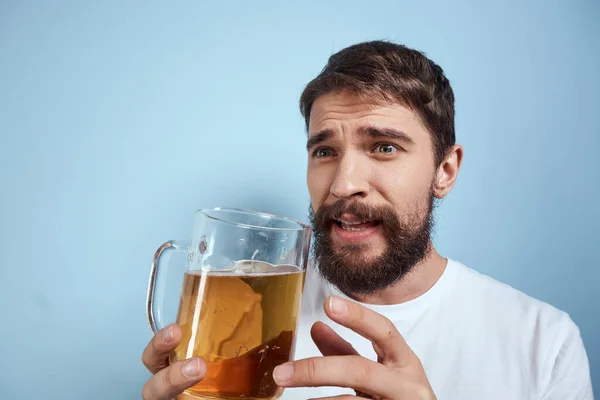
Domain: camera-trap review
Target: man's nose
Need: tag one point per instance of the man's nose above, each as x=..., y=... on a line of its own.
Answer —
x=351, y=178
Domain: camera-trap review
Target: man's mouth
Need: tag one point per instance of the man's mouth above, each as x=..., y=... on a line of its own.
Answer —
x=356, y=225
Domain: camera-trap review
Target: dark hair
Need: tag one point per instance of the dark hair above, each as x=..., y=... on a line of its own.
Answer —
x=389, y=72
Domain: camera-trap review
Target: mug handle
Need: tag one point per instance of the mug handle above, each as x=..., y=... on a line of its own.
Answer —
x=156, y=286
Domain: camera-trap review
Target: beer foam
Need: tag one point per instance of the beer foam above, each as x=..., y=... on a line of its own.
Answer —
x=248, y=268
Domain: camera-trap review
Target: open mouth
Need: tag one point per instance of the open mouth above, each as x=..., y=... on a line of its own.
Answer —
x=356, y=226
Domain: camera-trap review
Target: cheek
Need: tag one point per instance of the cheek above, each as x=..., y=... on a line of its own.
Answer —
x=404, y=187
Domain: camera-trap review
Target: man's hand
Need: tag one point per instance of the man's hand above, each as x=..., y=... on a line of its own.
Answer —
x=169, y=380
x=397, y=374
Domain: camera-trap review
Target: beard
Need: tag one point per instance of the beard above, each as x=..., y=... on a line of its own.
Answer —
x=349, y=267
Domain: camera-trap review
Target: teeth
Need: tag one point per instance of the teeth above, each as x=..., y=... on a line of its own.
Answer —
x=349, y=225
x=348, y=228
x=352, y=222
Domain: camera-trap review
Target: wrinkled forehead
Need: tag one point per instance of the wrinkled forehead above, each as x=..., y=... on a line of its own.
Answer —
x=343, y=111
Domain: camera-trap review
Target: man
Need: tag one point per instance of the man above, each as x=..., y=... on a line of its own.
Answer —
x=384, y=315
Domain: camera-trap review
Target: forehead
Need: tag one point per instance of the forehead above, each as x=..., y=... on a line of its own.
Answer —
x=343, y=111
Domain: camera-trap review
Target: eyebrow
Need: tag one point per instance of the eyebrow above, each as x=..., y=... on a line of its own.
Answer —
x=390, y=133
x=369, y=131
x=318, y=138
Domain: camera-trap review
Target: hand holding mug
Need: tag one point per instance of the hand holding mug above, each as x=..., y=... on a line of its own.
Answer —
x=238, y=310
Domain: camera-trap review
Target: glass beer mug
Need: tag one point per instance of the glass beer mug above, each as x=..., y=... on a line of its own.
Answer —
x=239, y=301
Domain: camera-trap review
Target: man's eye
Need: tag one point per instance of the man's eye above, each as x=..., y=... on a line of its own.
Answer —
x=322, y=152
x=386, y=149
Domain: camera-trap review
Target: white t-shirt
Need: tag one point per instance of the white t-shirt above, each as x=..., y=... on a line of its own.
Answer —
x=476, y=338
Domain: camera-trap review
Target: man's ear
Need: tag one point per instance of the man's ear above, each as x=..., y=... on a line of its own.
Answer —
x=447, y=172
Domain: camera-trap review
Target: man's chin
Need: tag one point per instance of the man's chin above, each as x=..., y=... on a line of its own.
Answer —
x=357, y=255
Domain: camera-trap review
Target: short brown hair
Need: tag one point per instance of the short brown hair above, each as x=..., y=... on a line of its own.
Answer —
x=385, y=71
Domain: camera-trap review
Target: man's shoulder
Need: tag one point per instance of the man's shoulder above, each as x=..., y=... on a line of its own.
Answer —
x=536, y=328
x=503, y=303
x=473, y=283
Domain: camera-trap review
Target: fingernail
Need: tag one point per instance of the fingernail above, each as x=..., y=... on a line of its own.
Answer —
x=191, y=368
x=168, y=335
x=283, y=373
x=337, y=306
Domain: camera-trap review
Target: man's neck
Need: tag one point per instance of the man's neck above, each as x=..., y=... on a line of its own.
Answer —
x=418, y=281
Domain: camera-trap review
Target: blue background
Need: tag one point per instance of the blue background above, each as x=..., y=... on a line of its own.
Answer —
x=119, y=119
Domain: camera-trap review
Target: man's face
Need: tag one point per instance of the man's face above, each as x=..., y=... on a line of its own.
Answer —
x=370, y=178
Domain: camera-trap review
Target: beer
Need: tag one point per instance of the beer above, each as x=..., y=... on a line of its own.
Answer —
x=243, y=326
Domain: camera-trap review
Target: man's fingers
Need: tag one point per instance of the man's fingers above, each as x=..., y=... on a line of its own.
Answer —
x=387, y=341
x=156, y=354
x=342, y=371
x=329, y=342
x=173, y=380
x=169, y=381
